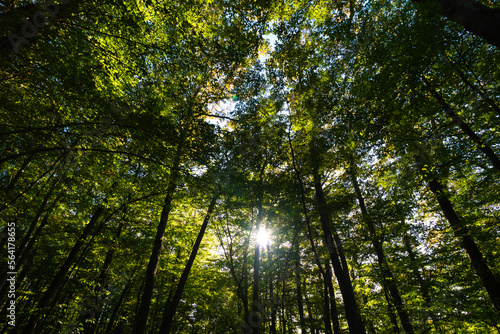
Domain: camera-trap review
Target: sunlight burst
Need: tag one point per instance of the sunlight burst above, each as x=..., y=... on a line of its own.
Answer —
x=263, y=237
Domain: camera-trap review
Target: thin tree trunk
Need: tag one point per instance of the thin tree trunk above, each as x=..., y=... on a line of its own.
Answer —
x=61, y=274
x=26, y=239
x=327, y=278
x=59, y=297
x=168, y=316
x=475, y=17
x=101, y=279
x=480, y=144
x=13, y=181
x=244, y=284
x=311, y=319
x=353, y=315
x=334, y=314
x=116, y=310
x=243, y=287
x=143, y=311
x=283, y=309
x=255, y=317
x=256, y=307
x=424, y=288
x=387, y=276
x=484, y=95
x=155, y=317
x=272, y=328
x=390, y=309
x=139, y=293
x=461, y=232
x=298, y=287
x=30, y=186
x=241, y=283
x=326, y=309
x=170, y=296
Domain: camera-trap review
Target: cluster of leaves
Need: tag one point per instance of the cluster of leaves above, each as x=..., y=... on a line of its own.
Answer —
x=113, y=99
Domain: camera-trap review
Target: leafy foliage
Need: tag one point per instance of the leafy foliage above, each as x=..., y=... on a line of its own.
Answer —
x=259, y=100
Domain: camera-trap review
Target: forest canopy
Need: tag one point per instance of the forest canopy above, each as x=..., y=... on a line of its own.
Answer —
x=250, y=166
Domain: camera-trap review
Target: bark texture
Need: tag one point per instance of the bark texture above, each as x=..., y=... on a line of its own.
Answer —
x=476, y=18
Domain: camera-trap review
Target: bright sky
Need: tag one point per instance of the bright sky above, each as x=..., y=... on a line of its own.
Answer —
x=226, y=107
x=263, y=237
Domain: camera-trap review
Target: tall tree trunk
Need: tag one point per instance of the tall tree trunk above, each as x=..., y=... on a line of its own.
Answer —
x=255, y=318
x=298, y=287
x=61, y=274
x=390, y=309
x=29, y=247
x=143, y=311
x=334, y=314
x=326, y=274
x=241, y=283
x=155, y=315
x=272, y=327
x=13, y=180
x=311, y=319
x=168, y=316
x=353, y=315
x=101, y=279
x=424, y=286
x=283, y=309
x=480, y=144
x=462, y=232
x=10, y=202
x=388, y=278
x=424, y=289
x=326, y=309
x=26, y=239
x=116, y=310
x=475, y=17
x=59, y=297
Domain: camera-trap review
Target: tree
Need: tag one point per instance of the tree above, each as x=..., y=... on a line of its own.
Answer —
x=170, y=310
x=362, y=136
x=475, y=17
